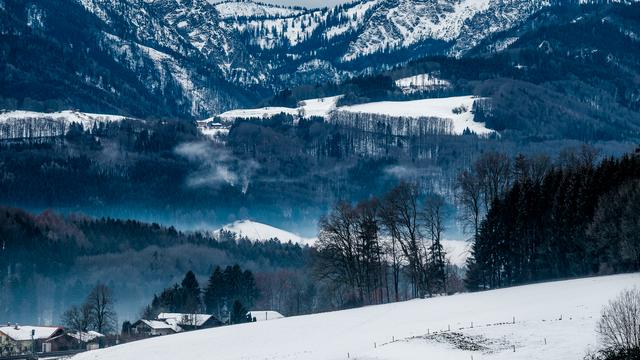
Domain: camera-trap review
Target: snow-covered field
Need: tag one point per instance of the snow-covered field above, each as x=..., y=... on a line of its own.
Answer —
x=307, y=108
x=553, y=321
x=23, y=124
x=457, y=109
x=262, y=232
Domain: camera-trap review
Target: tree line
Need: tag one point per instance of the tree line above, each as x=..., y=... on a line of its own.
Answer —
x=373, y=246
x=544, y=222
x=227, y=295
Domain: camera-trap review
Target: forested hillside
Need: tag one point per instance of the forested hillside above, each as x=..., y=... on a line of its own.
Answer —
x=50, y=262
x=575, y=220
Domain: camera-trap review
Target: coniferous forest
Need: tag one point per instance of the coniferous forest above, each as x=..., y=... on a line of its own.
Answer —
x=575, y=220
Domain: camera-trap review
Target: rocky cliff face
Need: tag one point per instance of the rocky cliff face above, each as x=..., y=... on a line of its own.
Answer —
x=202, y=57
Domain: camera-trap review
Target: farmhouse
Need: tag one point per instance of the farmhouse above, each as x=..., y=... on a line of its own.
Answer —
x=190, y=321
x=15, y=339
x=144, y=327
x=89, y=340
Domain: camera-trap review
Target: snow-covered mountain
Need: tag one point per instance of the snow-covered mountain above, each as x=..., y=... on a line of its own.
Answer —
x=555, y=320
x=203, y=57
x=262, y=232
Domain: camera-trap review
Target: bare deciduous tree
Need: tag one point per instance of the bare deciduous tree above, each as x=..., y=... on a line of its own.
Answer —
x=78, y=318
x=101, y=301
x=619, y=326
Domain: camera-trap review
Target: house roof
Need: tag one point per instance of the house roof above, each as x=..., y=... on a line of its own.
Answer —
x=185, y=319
x=159, y=325
x=23, y=333
x=264, y=315
x=86, y=336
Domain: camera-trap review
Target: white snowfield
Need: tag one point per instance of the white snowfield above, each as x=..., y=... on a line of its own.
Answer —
x=458, y=109
x=321, y=107
x=27, y=124
x=553, y=321
x=239, y=9
x=262, y=232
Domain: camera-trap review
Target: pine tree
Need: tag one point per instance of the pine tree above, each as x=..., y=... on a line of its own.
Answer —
x=239, y=314
x=214, y=293
x=190, y=294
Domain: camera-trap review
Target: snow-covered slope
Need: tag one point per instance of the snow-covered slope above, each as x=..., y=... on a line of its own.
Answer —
x=240, y=9
x=457, y=109
x=553, y=320
x=31, y=124
x=313, y=107
x=262, y=232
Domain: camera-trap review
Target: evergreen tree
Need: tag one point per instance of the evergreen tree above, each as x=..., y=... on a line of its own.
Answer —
x=239, y=314
x=214, y=293
x=190, y=290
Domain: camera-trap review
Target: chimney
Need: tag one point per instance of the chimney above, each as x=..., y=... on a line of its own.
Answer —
x=17, y=327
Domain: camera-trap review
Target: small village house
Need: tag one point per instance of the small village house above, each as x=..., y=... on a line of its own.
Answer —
x=16, y=339
x=89, y=340
x=145, y=328
x=190, y=321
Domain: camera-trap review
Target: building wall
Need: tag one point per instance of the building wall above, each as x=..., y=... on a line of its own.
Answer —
x=9, y=346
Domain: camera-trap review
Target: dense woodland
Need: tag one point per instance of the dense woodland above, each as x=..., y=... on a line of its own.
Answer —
x=50, y=262
x=573, y=220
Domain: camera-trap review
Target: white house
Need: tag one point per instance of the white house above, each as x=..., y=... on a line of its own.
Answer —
x=16, y=339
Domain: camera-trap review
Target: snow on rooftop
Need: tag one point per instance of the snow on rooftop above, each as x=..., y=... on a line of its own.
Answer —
x=262, y=232
x=561, y=314
x=185, y=319
x=457, y=109
x=23, y=333
x=265, y=315
x=157, y=324
x=86, y=336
